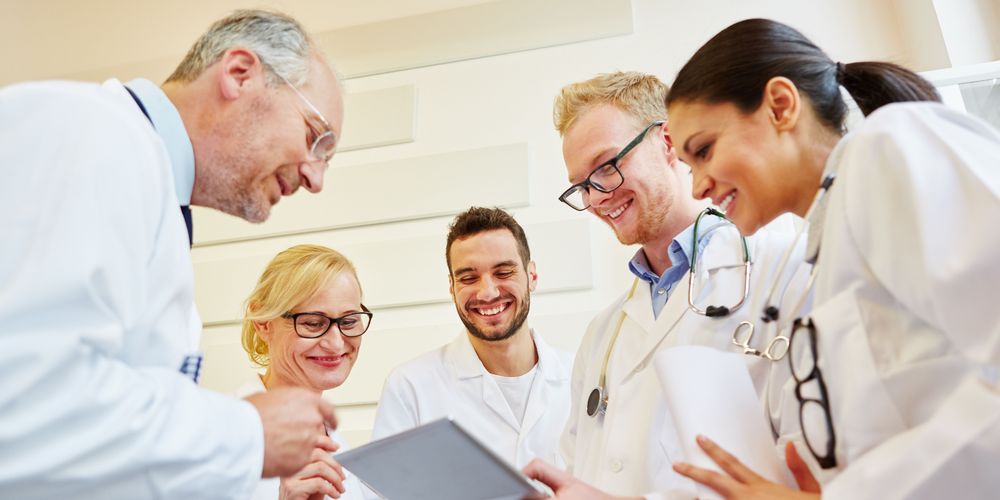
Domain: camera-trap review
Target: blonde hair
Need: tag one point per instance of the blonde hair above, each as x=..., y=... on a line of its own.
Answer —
x=292, y=277
x=638, y=94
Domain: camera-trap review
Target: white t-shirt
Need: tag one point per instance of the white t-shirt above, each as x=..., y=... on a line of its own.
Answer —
x=516, y=390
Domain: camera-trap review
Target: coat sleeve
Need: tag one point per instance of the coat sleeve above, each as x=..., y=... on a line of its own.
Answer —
x=397, y=408
x=81, y=419
x=925, y=193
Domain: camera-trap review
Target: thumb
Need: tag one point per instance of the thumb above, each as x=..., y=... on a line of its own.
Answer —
x=329, y=416
x=803, y=476
x=552, y=477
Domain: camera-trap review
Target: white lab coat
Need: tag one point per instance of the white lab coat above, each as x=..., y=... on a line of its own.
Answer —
x=451, y=381
x=906, y=309
x=97, y=308
x=270, y=489
x=629, y=450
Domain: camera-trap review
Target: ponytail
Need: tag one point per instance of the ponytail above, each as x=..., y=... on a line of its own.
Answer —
x=874, y=84
x=736, y=64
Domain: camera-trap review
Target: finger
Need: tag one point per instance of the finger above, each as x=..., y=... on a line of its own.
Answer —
x=722, y=484
x=333, y=474
x=549, y=475
x=803, y=476
x=730, y=464
x=319, y=486
x=329, y=416
x=324, y=442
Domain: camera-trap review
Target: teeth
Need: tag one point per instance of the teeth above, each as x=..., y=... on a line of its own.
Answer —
x=618, y=211
x=725, y=202
x=493, y=311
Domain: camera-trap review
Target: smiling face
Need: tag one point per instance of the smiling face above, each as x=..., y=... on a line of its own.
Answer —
x=740, y=161
x=321, y=363
x=257, y=149
x=490, y=284
x=638, y=209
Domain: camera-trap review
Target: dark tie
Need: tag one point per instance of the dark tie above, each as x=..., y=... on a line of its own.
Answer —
x=186, y=212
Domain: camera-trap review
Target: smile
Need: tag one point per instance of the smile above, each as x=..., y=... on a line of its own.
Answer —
x=328, y=361
x=728, y=200
x=491, y=311
x=614, y=214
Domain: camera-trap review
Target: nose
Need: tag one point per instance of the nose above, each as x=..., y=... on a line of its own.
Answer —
x=701, y=186
x=333, y=340
x=488, y=290
x=595, y=198
x=311, y=174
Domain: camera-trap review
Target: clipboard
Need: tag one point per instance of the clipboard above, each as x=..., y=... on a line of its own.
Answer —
x=436, y=461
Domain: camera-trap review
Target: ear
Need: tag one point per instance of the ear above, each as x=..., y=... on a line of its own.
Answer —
x=669, y=145
x=264, y=330
x=782, y=102
x=451, y=286
x=532, y=276
x=240, y=71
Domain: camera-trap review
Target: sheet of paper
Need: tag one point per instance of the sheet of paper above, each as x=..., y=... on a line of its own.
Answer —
x=436, y=461
x=709, y=392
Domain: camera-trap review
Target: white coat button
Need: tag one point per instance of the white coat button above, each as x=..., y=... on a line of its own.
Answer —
x=661, y=291
x=616, y=466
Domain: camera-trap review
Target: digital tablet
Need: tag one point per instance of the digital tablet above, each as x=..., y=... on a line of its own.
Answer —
x=436, y=461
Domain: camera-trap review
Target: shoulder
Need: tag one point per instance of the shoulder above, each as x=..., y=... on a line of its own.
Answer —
x=421, y=367
x=555, y=360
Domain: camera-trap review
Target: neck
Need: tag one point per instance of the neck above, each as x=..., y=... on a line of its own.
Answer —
x=511, y=357
x=819, y=144
x=680, y=217
x=272, y=381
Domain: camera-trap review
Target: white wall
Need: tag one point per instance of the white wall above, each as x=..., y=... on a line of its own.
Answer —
x=479, y=105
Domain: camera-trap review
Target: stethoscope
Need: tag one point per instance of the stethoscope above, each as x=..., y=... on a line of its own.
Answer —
x=778, y=346
x=597, y=402
x=716, y=311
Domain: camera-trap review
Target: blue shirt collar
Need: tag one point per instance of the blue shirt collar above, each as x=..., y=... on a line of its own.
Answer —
x=679, y=250
x=169, y=126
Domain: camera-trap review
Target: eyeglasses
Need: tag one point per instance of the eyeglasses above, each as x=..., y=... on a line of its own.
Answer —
x=605, y=178
x=313, y=325
x=325, y=143
x=808, y=371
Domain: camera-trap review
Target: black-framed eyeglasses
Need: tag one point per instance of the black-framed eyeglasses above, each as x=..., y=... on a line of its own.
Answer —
x=312, y=325
x=818, y=436
x=324, y=143
x=606, y=178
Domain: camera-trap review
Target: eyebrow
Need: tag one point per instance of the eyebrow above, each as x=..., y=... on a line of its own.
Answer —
x=594, y=163
x=687, y=143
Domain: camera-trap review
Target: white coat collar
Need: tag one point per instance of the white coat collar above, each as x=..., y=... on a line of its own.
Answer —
x=465, y=363
x=724, y=253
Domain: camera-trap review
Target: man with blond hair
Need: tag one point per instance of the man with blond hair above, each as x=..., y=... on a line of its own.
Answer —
x=623, y=169
x=100, y=328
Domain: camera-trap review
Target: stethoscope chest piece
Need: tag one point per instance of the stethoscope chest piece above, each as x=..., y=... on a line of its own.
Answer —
x=597, y=402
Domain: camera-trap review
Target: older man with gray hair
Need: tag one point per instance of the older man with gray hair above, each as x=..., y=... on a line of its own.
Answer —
x=100, y=330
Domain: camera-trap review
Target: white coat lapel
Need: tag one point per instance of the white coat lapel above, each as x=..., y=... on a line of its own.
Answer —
x=469, y=369
x=675, y=308
x=550, y=373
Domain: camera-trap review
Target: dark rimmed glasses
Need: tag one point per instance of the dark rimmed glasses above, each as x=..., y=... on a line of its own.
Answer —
x=313, y=325
x=817, y=431
x=324, y=144
x=606, y=178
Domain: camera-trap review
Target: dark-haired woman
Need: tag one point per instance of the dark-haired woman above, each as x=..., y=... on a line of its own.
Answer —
x=897, y=366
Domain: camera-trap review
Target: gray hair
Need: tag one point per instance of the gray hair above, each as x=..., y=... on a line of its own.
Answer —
x=279, y=41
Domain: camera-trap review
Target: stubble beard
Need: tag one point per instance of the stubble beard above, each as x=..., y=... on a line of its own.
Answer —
x=515, y=324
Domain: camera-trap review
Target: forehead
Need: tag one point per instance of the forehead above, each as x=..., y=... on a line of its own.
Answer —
x=597, y=132
x=485, y=249
x=340, y=293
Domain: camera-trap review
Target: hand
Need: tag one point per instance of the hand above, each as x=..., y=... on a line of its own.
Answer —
x=294, y=420
x=322, y=476
x=739, y=482
x=563, y=484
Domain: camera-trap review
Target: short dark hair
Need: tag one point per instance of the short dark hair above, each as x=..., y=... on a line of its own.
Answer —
x=477, y=220
x=736, y=64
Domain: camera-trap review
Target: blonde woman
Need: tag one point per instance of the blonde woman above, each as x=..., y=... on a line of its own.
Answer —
x=303, y=324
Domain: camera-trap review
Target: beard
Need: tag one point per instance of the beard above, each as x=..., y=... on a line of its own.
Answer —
x=650, y=221
x=515, y=324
